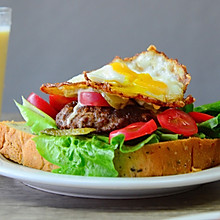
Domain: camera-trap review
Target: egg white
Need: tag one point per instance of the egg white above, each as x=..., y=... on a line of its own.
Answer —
x=156, y=67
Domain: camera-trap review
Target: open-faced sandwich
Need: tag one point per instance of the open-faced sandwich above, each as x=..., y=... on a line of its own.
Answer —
x=129, y=118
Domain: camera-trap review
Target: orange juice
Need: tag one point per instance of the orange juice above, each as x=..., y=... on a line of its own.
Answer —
x=4, y=36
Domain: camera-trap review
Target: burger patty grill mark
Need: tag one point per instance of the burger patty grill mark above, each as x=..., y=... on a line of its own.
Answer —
x=103, y=119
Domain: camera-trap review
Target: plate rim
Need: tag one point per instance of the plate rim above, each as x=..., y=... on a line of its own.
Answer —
x=26, y=174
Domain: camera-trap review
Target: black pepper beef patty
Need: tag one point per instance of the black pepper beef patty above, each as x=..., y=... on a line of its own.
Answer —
x=103, y=119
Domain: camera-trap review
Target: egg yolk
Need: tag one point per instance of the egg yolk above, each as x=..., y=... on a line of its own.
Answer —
x=139, y=82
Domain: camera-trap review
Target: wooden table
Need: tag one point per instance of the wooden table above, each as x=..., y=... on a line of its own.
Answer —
x=18, y=201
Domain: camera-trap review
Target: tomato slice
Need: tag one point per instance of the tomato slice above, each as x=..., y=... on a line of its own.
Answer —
x=200, y=117
x=178, y=122
x=58, y=101
x=135, y=130
x=92, y=99
x=40, y=103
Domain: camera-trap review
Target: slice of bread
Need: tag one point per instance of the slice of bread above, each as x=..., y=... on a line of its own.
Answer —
x=165, y=158
x=17, y=145
x=169, y=158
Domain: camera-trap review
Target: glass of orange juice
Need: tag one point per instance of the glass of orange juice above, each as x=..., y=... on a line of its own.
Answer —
x=5, y=26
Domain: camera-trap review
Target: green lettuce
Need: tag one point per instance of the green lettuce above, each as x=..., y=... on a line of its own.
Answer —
x=211, y=108
x=166, y=136
x=36, y=119
x=188, y=108
x=119, y=142
x=210, y=128
x=85, y=155
x=76, y=155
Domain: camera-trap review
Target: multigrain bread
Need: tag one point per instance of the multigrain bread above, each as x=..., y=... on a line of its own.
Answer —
x=165, y=158
x=169, y=158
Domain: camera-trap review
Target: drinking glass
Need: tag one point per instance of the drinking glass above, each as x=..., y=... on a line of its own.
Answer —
x=5, y=27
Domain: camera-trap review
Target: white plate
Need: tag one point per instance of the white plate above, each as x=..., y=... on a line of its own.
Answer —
x=107, y=187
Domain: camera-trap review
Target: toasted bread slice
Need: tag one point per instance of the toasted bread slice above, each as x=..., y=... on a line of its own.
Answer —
x=165, y=158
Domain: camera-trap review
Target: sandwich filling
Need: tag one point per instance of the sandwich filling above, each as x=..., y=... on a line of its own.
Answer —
x=132, y=89
x=103, y=118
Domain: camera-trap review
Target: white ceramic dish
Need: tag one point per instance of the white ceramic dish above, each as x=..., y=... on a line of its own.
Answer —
x=106, y=187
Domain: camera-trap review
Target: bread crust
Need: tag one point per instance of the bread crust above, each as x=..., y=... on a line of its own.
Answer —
x=160, y=159
x=18, y=146
x=169, y=158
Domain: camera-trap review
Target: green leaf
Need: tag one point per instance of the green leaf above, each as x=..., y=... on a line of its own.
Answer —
x=167, y=136
x=211, y=123
x=188, y=108
x=211, y=128
x=212, y=108
x=200, y=135
x=34, y=117
x=78, y=155
x=118, y=141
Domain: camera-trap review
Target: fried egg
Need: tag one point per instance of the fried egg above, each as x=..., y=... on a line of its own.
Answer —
x=67, y=89
x=149, y=76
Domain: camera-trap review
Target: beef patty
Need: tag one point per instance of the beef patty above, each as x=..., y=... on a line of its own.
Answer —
x=104, y=119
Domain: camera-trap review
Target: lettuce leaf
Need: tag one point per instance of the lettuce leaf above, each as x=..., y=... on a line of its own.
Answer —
x=167, y=136
x=118, y=142
x=188, y=108
x=211, y=108
x=211, y=128
x=78, y=155
x=36, y=119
